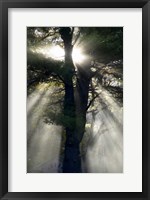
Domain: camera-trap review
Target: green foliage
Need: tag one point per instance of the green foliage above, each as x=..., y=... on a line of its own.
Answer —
x=42, y=69
x=39, y=61
x=104, y=42
x=41, y=36
x=60, y=119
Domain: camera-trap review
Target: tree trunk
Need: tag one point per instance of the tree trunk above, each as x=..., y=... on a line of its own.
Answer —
x=82, y=91
x=72, y=160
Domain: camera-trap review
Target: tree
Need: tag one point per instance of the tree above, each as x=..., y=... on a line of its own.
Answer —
x=105, y=45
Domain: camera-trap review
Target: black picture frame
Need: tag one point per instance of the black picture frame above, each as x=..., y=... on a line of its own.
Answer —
x=4, y=6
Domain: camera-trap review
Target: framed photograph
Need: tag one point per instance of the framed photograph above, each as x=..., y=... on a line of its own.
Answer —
x=74, y=99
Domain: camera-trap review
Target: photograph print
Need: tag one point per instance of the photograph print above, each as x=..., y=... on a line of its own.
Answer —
x=74, y=99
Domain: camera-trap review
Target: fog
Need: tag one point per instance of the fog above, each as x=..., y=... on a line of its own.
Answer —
x=102, y=145
x=43, y=140
x=103, y=140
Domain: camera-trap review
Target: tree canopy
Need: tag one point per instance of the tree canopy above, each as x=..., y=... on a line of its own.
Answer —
x=76, y=60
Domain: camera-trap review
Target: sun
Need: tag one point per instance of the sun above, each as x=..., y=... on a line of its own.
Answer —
x=58, y=53
x=78, y=56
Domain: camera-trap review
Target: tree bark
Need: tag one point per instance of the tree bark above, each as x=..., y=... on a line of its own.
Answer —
x=82, y=91
x=72, y=160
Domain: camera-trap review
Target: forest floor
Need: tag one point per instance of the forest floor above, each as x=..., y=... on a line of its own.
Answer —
x=102, y=145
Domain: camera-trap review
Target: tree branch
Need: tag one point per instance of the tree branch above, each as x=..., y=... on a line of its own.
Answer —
x=77, y=37
x=92, y=100
x=47, y=35
x=72, y=31
x=60, y=78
